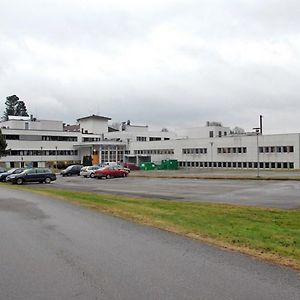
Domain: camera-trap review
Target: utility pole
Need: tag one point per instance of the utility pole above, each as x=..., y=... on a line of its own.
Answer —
x=257, y=131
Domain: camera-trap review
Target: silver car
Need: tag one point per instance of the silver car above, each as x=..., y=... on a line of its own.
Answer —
x=89, y=171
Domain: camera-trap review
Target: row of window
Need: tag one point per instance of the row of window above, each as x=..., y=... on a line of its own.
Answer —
x=211, y=134
x=59, y=138
x=240, y=165
x=276, y=149
x=151, y=138
x=41, y=152
x=91, y=139
x=232, y=150
x=194, y=151
x=112, y=156
x=40, y=138
x=155, y=151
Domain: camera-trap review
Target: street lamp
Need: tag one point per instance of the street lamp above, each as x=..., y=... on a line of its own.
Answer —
x=56, y=156
x=211, y=154
x=41, y=156
x=257, y=131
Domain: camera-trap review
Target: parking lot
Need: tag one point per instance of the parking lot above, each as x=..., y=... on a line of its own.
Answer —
x=276, y=194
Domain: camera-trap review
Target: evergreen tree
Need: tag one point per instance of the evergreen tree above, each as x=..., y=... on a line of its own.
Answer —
x=3, y=145
x=87, y=160
x=11, y=103
x=14, y=107
x=21, y=109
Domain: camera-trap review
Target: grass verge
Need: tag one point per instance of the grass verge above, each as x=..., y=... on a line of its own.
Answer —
x=270, y=234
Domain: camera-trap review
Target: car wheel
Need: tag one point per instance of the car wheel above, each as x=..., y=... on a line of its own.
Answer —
x=92, y=175
x=47, y=180
x=20, y=181
x=108, y=176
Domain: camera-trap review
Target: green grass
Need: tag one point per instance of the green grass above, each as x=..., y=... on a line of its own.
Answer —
x=272, y=234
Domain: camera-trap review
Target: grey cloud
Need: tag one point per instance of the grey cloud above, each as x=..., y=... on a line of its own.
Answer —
x=176, y=63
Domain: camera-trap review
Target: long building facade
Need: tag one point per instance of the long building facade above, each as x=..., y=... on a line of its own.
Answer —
x=50, y=143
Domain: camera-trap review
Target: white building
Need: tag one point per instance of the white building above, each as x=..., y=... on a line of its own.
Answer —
x=43, y=142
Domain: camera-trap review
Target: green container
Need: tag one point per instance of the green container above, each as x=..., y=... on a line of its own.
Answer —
x=169, y=164
x=147, y=166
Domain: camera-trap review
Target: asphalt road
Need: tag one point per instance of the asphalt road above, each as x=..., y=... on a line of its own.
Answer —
x=54, y=250
x=276, y=194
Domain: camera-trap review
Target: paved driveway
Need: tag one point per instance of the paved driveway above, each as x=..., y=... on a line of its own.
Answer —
x=276, y=194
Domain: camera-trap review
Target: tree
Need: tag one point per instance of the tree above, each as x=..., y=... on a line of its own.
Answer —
x=14, y=107
x=3, y=145
x=11, y=103
x=87, y=160
x=237, y=130
x=21, y=109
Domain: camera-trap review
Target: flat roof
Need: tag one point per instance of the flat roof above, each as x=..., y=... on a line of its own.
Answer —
x=94, y=117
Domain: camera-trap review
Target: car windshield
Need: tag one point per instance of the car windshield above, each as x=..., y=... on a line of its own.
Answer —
x=11, y=171
x=18, y=171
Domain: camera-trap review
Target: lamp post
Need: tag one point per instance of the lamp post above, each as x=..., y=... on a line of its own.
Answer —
x=41, y=156
x=211, y=154
x=56, y=156
x=257, y=131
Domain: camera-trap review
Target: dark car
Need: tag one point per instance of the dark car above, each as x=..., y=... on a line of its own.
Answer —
x=110, y=171
x=131, y=166
x=32, y=175
x=10, y=172
x=2, y=170
x=71, y=170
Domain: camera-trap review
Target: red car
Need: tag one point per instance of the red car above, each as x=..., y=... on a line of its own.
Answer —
x=110, y=171
x=131, y=166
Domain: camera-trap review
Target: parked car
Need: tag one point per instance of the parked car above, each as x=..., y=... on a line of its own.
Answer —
x=131, y=166
x=110, y=171
x=115, y=164
x=10, y=172
x=89, y=171
x=32, y=175
x=71, y=170
x=2, y=170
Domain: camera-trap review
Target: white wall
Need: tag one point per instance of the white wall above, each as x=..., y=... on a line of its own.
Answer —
x=33, y=125
x=94, y=125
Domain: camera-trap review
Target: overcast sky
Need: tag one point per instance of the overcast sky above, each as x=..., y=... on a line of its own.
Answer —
x=165, y=63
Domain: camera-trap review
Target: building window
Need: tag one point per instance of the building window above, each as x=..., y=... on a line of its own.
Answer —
x=211, y=134
x=154, y=138
x=141, y=139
